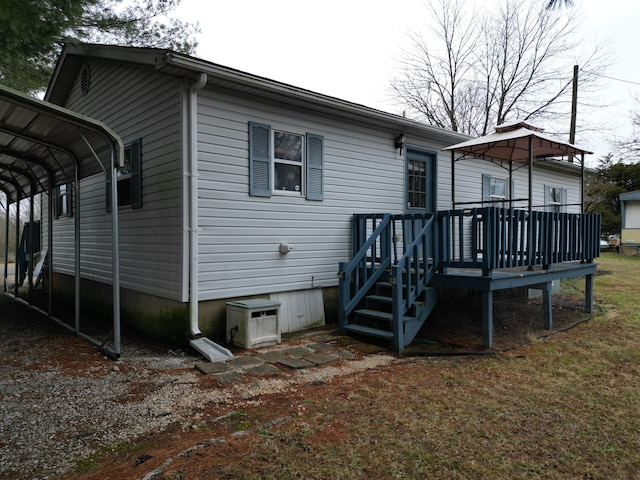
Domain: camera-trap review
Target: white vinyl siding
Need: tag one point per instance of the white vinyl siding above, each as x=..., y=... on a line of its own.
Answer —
x=137, y=104
x=239, y=234
x=468, y=183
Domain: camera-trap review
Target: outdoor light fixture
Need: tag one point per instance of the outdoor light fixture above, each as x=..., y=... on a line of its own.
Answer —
x=400, y=141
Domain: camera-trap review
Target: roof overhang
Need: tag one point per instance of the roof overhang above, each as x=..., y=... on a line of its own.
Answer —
x=236, y=81
x=43, y=145
x=630, y=196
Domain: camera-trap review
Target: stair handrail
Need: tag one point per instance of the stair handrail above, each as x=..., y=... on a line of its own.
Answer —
x=362, y=282
x=409, y=280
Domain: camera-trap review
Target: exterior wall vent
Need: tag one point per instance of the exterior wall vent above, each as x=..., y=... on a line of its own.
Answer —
x=85, y=79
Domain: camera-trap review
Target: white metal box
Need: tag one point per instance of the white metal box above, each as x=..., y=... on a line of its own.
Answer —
x=253, y=323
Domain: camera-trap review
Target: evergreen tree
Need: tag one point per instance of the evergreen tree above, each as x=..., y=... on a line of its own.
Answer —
x=32, y=33
x=603, y=189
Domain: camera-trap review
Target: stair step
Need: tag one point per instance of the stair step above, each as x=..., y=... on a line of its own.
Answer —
x=380, y=298
x=366, y=312
x=372, y=332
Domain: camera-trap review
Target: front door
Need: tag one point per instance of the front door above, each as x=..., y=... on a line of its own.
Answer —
x=421, y=189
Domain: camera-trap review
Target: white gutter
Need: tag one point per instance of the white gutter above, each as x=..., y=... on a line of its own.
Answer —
x=193, y=203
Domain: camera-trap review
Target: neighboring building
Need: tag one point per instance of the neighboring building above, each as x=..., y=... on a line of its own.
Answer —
x=630, y=223
x=236, y=187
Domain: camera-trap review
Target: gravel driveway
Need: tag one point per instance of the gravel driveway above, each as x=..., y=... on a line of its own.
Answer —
x=61, y=399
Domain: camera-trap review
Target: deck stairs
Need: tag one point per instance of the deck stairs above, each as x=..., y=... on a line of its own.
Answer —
x=384, y=292
x=375, y=318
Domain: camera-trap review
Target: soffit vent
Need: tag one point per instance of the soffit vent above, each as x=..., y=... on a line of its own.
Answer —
x=85, y=79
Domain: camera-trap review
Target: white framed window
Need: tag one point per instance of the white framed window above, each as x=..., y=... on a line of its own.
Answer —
x=288, y=158
x=285, y=163
x=498, y=190
x=63, y=200
x=495, y=191
x=555, y=199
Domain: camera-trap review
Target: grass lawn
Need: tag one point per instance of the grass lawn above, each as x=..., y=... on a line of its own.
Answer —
x=567, y=406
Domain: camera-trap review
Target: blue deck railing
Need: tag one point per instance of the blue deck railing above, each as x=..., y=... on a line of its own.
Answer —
x=403, y=245
x=491, y=238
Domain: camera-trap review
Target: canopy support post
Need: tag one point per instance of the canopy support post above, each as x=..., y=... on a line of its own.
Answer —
x=453, y=180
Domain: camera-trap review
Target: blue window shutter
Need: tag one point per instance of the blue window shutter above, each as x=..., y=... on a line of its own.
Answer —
x=259, y=160
x=486, y=190
x=136, y=174
x=315, y=167
x=563, y=208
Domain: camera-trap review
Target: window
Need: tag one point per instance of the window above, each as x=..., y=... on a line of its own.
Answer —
x=555, y=199
x=285, y=163
x=495, y=191
x=129, y=178
x=63, y=199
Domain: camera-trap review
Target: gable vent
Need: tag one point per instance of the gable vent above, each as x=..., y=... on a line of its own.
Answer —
x=85, y=79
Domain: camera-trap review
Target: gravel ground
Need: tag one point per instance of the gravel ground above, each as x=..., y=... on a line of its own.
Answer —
x=61, y=399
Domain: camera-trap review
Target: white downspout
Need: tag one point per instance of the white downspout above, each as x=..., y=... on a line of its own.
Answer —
x=193, y=203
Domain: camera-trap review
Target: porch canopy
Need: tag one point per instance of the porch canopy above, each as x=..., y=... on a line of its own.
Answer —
x=518, y=142
x=43, y=146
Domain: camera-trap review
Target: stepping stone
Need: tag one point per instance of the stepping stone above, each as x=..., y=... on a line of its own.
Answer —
x=266, y=369
x=227, y=378
x=212, y=367
x=345, y=354
x=244, y=361
x=321, y=358
x=321, y=347
x=296, y=363
x=272, y=357
x=298, y=351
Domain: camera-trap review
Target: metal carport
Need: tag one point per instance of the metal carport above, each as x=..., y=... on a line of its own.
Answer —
x=43, y=146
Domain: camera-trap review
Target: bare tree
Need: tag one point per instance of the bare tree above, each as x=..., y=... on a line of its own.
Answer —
x=473, y=70
x=629, y=148
x=557, y=3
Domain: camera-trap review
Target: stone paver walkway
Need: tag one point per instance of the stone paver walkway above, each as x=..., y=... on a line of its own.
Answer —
x=311, y=352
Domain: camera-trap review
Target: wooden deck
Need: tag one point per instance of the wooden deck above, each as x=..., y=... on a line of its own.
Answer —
x=404, y=259
x=500, y=279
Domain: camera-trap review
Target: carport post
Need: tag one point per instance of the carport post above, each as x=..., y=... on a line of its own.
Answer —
x=76, y=215
x=30, y=252
x=16, y=272
x=6, y=242
x=117, y=150
x=116, y=252
x=50, y=244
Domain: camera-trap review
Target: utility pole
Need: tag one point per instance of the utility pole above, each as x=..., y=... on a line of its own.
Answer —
x=574, y=108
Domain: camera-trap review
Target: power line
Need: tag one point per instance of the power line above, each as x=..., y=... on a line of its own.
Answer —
x=614, y=78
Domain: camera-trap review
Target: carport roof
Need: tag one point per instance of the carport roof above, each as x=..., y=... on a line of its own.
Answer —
x=41, y=144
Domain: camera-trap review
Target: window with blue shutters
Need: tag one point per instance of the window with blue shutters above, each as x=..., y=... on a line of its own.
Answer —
x=285, y=163
x=129, y=178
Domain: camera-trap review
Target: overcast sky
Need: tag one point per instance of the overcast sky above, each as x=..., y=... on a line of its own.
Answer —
x=349, y=48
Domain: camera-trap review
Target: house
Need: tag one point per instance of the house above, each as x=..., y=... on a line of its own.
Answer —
x=236, y=187
x=630, y=223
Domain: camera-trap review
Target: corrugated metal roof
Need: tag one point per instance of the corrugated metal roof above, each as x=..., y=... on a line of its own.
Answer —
x=41, y=144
